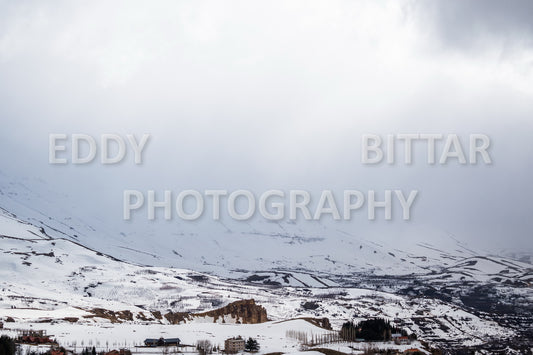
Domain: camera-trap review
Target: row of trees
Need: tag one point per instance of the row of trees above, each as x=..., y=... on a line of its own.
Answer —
x=377, y=329
x=313, y=339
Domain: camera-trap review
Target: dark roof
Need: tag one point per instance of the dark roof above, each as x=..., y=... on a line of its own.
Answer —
x=168, y=340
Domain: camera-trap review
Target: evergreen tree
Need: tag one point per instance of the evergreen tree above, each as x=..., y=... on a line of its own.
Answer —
x=251, y=345
x=377, y=329
x=7, y=345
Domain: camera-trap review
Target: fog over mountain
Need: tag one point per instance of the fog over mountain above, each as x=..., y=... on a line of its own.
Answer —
x=273, y=95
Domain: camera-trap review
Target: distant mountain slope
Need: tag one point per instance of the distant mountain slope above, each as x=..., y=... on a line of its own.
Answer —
x=229, y=249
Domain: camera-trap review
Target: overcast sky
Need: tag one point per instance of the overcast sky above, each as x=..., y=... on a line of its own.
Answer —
x=277, y=94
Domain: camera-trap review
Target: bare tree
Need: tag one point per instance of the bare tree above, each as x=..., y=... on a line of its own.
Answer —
x=204, y=347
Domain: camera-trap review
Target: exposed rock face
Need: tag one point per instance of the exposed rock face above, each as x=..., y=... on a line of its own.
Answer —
x=243, y=312
x=157, y=315
x=178, y=317
x=114, y=317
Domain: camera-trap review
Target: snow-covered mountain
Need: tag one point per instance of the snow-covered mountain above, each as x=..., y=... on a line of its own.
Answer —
x=62, y=270
x=235, y=249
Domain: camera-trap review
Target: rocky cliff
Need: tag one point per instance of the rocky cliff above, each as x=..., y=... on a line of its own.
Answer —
x=240, y=312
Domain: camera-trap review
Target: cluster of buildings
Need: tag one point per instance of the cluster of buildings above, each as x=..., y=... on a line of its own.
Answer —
x=231, y=345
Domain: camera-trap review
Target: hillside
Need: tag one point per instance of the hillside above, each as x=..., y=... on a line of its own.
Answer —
x=49, y=283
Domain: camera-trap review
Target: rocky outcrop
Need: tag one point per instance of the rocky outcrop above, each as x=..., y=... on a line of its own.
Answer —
x=157, y=314
x=114, y=317
x=240, y=312
x=245, y=312
x=177, y=317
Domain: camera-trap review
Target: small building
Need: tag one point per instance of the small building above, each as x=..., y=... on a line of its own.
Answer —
x=234, y=345
x=162, y=342
x=402, y=341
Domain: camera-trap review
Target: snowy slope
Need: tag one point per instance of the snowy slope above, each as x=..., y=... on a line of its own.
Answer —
x=75, y=280
x=48, y=282
x=229, y=248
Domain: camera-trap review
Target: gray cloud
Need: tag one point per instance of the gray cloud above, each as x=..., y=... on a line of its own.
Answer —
x=471, y=23
x=274, y=95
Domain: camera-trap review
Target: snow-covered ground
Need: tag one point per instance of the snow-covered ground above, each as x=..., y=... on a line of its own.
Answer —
x=272, y=336
x=50, y=280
